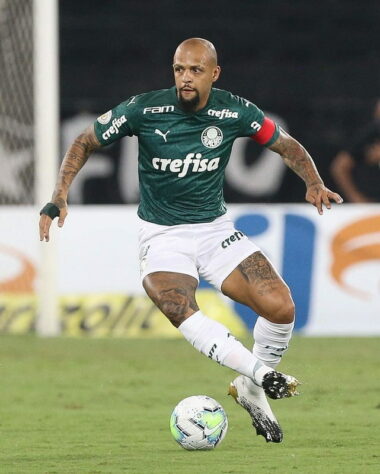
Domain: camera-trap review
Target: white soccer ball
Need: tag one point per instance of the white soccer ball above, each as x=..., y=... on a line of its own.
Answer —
x=198, y=422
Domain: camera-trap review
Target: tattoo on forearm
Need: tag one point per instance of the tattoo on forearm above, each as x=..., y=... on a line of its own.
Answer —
x=297, y=158
x=73, y=161
x=257, y=270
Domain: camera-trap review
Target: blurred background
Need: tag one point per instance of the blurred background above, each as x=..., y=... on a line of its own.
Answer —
x=312, y=66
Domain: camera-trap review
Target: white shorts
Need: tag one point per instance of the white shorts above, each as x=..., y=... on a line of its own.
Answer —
x=211, y=250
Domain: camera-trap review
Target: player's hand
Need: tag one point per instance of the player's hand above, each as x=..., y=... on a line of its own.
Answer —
x=319, y=196
x=48, y=213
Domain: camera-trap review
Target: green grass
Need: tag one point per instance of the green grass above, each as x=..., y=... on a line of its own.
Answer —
x=103, y=406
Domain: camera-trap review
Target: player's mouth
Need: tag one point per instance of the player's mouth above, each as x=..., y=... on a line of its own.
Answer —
x=188, y=98
x=187, y=89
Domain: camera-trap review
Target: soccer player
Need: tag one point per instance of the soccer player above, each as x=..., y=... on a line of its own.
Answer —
x=185, y=138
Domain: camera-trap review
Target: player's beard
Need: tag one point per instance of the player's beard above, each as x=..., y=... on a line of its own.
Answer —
x=189, y=105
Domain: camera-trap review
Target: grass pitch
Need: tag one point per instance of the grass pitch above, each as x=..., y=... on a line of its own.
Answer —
x=103, y=406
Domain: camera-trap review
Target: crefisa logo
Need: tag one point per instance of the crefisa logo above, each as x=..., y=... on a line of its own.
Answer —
x=115, y=127
x=221, y=114
x=193, y=163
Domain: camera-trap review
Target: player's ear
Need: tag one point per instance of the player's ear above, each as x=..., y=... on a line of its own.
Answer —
x=216, y=74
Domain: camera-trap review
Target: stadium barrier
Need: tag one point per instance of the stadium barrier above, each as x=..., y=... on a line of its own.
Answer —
x=330, y=262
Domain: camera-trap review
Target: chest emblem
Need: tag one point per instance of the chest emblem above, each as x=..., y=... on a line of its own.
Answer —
x=212, y=137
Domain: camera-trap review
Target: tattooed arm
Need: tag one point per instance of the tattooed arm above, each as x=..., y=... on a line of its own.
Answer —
x=298, y=159
x=75, y=157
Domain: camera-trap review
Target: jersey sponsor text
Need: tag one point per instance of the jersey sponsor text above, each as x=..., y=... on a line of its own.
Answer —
x=159, y=109
x=232, y=238
x=192, y=163
x=221, y=114
x=115, y=127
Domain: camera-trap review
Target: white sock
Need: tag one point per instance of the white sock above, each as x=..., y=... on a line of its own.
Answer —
x=215, y=341
x=271, y=341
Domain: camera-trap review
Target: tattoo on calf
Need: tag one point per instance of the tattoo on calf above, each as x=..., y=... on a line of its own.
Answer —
x=257, y=269
x=175, y=302
x=173, y=294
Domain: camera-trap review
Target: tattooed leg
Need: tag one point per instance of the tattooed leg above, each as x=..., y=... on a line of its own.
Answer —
x=256, y=284
x=173, y=293
x=257, y=271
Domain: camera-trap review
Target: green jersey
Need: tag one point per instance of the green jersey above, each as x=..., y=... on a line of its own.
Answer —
x=183, y=156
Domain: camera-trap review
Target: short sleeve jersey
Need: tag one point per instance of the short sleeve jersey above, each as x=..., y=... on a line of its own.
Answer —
x=183, y=156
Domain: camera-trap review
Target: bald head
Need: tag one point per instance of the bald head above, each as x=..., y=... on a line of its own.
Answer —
x=200, y=46
x=195, y=70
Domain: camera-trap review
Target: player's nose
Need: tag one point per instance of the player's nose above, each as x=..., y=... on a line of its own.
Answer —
x=186, y=76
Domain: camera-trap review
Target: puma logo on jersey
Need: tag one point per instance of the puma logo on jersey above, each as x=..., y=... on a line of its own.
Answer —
x=192, y=163
x=163, y=135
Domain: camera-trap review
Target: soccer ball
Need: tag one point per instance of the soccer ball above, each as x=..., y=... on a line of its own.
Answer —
x=198, y=422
